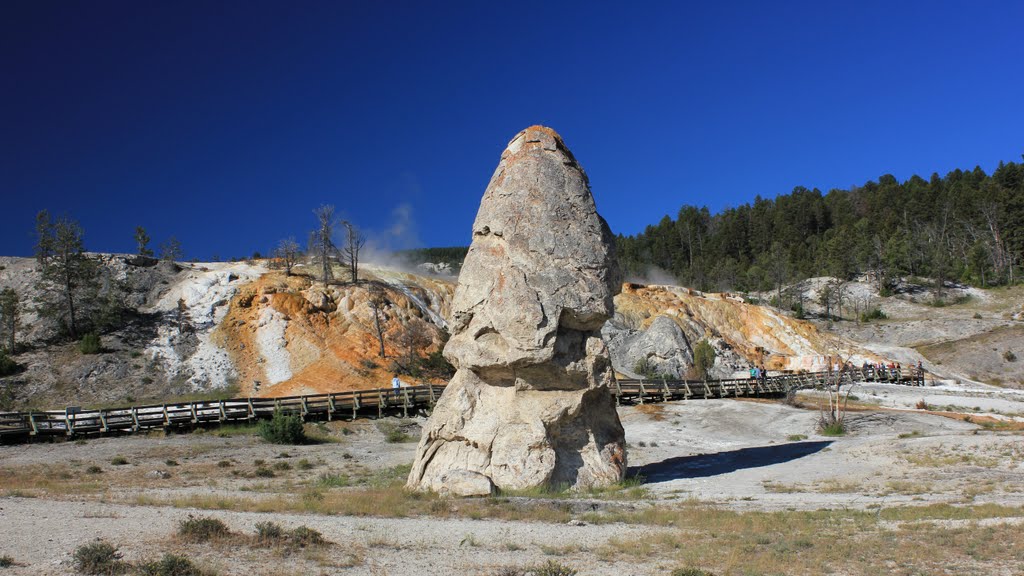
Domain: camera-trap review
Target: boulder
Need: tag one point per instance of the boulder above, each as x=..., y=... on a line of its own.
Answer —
x=662, y=346
x=319, y=299
x=530, y=403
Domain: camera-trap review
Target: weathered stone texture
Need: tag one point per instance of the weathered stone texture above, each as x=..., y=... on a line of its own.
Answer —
x=530, y=403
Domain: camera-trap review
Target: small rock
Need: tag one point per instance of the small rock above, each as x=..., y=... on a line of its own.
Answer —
x=158, y=475
x=575, y=522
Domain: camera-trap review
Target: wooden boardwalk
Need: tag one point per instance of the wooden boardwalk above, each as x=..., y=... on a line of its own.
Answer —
x=21, y=426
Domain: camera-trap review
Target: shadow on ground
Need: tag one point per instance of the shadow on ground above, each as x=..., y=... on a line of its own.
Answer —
x=704, y=465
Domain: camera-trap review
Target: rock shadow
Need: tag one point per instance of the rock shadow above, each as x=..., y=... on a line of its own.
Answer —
x=704, y=465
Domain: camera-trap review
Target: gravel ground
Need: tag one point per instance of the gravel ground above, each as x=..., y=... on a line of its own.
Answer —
x=743, y=455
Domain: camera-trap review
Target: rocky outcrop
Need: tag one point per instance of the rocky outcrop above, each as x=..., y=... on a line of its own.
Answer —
x=662, y=349
x=530, y=404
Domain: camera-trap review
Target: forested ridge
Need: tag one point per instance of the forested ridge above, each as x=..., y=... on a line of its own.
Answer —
x=966, y=226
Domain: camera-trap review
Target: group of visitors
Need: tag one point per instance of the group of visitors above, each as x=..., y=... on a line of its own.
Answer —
x=892, y=369
x=758, y=374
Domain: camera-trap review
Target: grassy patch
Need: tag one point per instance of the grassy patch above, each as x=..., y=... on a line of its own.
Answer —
x=393, y=432
x=792, y=542
x=833, y=429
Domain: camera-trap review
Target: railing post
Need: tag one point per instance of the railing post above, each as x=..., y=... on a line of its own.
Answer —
x=618, y=391
x=135, y=418
x=330, y=406
x=405, y=403
x=303, y=408
x=223, y=412
x=380, y=403
x=32, y=423
x=195, y=416
x=642, y=391
x=252, y=409
x=103, y=422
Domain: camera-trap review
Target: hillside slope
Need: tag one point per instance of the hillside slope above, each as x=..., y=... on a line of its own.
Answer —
x=238, y=328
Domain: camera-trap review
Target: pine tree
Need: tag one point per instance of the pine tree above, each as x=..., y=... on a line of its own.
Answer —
x=10, y=315
x=142, y=242
x=68, y=274
x=170, y=251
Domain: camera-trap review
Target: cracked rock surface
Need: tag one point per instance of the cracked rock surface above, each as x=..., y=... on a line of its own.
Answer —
x=530, y=404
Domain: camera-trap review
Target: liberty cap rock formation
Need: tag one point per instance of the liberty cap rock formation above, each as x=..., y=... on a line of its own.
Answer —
x=530, y=403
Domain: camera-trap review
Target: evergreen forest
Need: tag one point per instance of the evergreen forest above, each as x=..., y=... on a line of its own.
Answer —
x=966, y=226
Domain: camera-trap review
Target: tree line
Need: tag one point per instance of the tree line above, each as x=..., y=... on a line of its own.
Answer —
x=966, y=226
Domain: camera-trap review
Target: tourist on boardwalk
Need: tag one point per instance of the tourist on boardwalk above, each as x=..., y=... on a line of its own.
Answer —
x=396, y=386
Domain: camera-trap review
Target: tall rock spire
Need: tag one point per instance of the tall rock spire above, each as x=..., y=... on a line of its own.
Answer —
x=530, y=404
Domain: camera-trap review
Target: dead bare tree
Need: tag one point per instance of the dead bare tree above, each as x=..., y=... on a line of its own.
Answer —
x=354, y=242
x=415, y=335
x=322, y=241
x=378, y=302
x=181, y=316
x=832, y=419
x=288, y=253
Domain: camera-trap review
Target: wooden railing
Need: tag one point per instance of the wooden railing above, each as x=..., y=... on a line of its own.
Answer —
x=350, y=405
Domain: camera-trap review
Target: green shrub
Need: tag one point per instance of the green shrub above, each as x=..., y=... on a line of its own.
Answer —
x=202, y=529
x=703, y=358
x=119, y=461
x=1009, y=356
x=171, y=565
x=264, y=473
x=304, y=537
x=552, y=568
x=94, y=470
x=6, y=561
x=269, y=532
x=875, y=314
x=646, y=369
x=283, y=429
x=99, y=559
x=90, y=344
x=833, y=429
x=691, y=572
x=8, y=366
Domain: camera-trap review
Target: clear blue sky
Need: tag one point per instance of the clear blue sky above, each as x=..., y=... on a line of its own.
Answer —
x=226, y=123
